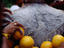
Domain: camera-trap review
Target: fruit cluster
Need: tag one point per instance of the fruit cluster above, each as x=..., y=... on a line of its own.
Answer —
x=57, y=42
x=25, y=41
x=28, y=42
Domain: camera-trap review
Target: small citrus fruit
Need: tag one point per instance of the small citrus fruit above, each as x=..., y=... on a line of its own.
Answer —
x=46, y=44
x=19, y=34
x=16, y=46
x=35, y=47
x=57, y=39
x=26, y=42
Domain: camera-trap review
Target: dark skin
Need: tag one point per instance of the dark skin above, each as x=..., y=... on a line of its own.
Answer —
x=9, y=29
x=5, y=45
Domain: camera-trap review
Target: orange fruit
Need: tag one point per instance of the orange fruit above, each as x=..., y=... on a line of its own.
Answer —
x=46, y=44
x=26, y=42
x=16, y=46
x=19, y=34
x=57, y=40
x=35, y=47
x=63, y=39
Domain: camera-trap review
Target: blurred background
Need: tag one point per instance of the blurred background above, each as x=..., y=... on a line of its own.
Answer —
x=59, y=4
